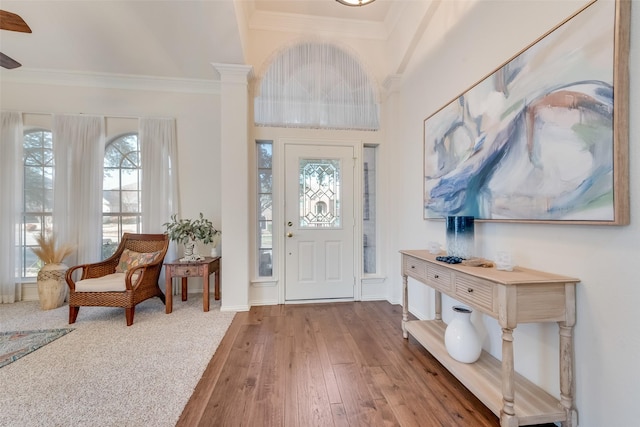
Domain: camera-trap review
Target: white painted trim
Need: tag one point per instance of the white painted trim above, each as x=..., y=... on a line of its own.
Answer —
x=30, y=292
x=295, y=23
x=110, y=81
x=235, y=308
x=264, y=283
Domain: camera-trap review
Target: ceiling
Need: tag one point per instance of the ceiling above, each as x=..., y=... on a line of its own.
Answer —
x=165, y=38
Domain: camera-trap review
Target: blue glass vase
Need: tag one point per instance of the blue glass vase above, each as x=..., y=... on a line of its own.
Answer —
x=460, y=236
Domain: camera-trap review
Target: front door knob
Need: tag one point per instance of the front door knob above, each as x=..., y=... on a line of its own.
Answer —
x=289, y=234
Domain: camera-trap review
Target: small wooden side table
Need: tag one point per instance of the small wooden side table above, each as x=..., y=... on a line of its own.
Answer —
x=186, y=269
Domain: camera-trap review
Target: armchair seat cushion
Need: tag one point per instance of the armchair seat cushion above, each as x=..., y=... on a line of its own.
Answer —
x=110, y=283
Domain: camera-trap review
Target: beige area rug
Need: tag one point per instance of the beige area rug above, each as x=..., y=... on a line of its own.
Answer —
x=105, y=373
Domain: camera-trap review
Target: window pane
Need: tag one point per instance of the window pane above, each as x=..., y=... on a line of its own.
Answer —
x=121, y=191
x=47, y=178
x=110, y=229
x=47, y=200
x=264, y=238
x=265, y=263
x=369, y=211
x=37, y=195
x=110, y=201
x=130, y=202
x=131, y=224
x=265, y=155
x=265, y=208
x=265, y=180
x=319, y=193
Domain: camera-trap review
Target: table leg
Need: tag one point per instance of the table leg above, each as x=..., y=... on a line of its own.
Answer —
x=205, y=286
x=405, y=305
x=168, y=292
x=184, y=288
x=567, y=382
x=217, y=285
x=507, y=414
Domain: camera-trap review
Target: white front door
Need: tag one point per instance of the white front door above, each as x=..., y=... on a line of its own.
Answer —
x=319, y=222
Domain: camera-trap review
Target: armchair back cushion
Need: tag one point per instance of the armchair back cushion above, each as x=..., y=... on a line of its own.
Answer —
x=130, y=259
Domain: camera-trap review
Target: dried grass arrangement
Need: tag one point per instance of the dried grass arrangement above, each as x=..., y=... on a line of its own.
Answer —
x=48, y=252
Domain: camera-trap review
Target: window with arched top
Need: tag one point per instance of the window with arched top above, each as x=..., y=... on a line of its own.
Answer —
x=121, y=191
x=37, y=196
x=319, y=86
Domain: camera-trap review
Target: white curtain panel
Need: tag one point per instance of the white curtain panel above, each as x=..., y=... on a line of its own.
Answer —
x=11, y=137
x=158, y=148
x=316, y=85
x=159, y=172
x=78, y=147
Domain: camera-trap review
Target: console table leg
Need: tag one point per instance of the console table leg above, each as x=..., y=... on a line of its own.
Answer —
x=567, y=381
x=508, y=420
x=508, y=380
x=566, y=375
x=405, y=305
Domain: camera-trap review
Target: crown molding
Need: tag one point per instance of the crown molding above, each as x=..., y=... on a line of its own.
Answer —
x=233, y=73
x=288, y=22
x=392, y=83
x=110, y=81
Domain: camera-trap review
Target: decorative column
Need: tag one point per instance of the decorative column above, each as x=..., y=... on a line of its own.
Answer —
x=388, y=162
x=234, y=175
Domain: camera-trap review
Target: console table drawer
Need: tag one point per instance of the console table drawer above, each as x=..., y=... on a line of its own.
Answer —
x=474, y=291
x=415, y=268
x=439, y=278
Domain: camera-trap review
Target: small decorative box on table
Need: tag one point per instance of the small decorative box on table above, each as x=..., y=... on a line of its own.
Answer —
x=186, y=269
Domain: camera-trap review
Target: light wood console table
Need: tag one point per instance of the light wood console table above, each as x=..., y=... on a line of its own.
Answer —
x=511, y=297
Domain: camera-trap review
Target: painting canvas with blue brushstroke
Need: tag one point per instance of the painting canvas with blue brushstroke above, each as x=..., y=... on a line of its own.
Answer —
x=534, y=140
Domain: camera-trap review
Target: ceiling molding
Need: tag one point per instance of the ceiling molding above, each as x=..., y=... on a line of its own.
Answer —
x=288, y=22
x=110, y=81
x=394, y=15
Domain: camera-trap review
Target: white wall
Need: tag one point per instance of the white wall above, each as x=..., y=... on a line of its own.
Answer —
x=607, y=338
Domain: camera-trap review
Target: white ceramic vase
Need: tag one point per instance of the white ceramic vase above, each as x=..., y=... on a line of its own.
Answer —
x=461, y=338
x=52, y=286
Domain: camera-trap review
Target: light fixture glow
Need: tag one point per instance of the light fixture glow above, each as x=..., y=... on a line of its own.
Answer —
x=355, y=2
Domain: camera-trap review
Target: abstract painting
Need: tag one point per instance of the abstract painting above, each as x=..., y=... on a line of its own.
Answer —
x=544, y=138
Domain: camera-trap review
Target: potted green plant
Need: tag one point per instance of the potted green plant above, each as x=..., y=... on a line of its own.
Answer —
x=190, y=231
x=52, y=287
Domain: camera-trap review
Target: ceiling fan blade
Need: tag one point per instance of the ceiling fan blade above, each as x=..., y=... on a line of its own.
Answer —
x=7, y=62
x=12, y=22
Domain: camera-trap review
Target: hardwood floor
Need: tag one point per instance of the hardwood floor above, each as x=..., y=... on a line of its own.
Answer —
x=338, y=364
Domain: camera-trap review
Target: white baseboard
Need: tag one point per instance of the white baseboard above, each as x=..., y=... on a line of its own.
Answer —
x=29, y=292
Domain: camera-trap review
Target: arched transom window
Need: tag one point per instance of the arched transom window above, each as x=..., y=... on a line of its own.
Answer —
x=316, y=85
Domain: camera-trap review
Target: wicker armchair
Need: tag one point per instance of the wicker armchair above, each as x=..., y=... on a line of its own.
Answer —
x=105, y=288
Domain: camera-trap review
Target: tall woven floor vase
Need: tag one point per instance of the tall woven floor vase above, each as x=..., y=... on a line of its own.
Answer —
x=52, y=287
